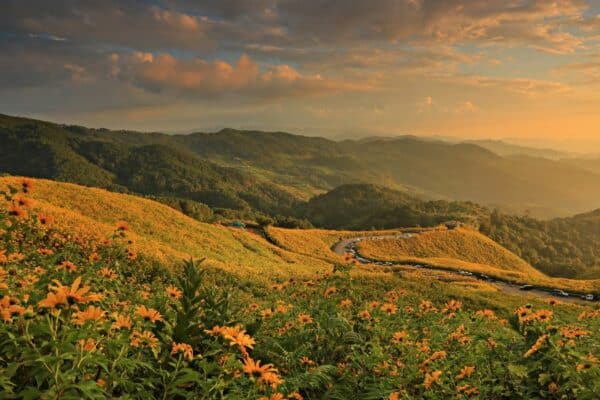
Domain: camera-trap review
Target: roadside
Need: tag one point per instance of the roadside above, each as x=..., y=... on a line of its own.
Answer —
x=348, y=246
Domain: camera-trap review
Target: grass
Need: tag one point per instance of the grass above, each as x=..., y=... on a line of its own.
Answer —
x=161, y=232
x=466, y=249
x=82, y=319
x=168, y=236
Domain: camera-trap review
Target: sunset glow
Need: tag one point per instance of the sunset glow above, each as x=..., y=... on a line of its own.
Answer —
x=503, y=69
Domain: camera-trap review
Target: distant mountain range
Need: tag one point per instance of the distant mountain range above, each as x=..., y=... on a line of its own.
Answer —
x=272, y=172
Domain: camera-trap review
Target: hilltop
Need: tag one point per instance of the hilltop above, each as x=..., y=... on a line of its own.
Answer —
x=365, y=206
x=269, y=171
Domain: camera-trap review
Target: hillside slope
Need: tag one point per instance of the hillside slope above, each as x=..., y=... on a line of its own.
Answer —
x=366, y=206
x=161, y=232
x=269, y=170
x=466, y=249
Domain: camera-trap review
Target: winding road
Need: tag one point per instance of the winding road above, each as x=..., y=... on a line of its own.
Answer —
x=348, y=246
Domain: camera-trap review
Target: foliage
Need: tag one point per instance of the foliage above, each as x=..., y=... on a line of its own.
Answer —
x=89, y=319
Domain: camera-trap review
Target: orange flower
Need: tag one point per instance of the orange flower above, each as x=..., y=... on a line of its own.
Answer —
x=44, y=219
x=452, y=306
x=67, y=266
x=489, y=314
x=45, y=252
x=26, y=185
x=17, y=211
x=132, y=255
x=92, y=313
x=431, y=378
x=9, y=306
x=345, y=303
x=389, y=308
x=274, y=396
x=253, y=368
x=107, y=273
x=399, y=337
x=305, y=318
x=465, y=372
x=266, y=313
x=295, y=396
x=144, y=338
x=65, y=295
x=121, y=322
x=122, y=226
x=329, y=291
x=394, y=396
x=174, y=292
x=94, y=257
x=87, y=344
x=542, y=315
x=364, y=314
x=552, y=302
x=22, y=201
x=468, y=390
x=235, y=335
x=184, y=348
x=149, y=314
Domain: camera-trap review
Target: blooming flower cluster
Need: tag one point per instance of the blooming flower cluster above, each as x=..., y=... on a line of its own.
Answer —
x=88, y=319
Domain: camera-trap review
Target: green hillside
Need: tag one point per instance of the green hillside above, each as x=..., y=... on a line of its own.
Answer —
x=268, y=170
x=365, y=206
x=562, y=247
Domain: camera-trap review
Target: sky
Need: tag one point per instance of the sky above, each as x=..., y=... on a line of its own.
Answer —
x=523, y=69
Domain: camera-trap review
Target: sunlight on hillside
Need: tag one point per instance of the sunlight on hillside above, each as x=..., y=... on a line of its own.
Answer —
x=161, y=232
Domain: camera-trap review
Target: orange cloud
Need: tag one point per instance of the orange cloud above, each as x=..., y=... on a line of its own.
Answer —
x=163, y=72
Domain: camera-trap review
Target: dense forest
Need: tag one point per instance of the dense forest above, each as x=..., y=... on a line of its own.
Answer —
x=270, y=171
x=565, y=247
x=272, y=178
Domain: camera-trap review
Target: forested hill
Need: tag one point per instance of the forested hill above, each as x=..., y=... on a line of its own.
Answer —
x=565, y=247
x=270, y=171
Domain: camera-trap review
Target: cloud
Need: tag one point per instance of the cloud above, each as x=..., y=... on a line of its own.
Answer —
x=466, y=107
x=522, y=86
x=425, y=105
x=201, y=78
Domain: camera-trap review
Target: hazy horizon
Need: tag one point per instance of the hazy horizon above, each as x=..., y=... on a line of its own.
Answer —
x=524, y=70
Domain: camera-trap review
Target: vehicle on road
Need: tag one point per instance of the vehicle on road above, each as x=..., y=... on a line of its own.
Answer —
x=526, y=287
x=560, y=293
x=588, y=297
x=465, y=273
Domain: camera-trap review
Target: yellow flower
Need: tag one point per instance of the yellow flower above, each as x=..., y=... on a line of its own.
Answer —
x=92, y=313
x=329, y=291
x=183, y=348
x=345, y=303
x=149, y=314
x=465, y=372
x=121, y=322
x=107, y=273
x=174, y=292
x=145, y=338
x=389, y=308
x=9, y=306
x=431, y=378
x=305, y=318
x=87, y=344
x=65, y=295
x=67, y=266
x=400, y=337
